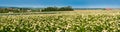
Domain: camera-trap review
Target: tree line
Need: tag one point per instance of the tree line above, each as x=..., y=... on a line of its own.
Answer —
x=68, y=8
x=13, y=10
x=19, y=10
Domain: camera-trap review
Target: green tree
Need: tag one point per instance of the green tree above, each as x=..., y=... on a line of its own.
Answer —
x=50, y=9
x=68, y=8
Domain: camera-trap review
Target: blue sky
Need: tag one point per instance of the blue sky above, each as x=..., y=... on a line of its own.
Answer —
x=73, y=3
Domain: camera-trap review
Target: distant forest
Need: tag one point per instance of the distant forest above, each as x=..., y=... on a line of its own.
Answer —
x=47, y=9
x=19, y=10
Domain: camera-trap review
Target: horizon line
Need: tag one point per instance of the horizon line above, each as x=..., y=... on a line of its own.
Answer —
x=61, y=6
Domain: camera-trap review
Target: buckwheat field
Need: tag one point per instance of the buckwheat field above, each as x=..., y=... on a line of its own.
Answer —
x=65, y=21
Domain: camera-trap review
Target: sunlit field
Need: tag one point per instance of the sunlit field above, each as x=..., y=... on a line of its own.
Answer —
x=62, y=21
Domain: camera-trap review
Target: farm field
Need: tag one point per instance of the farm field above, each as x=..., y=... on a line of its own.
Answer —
x=62, y=21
